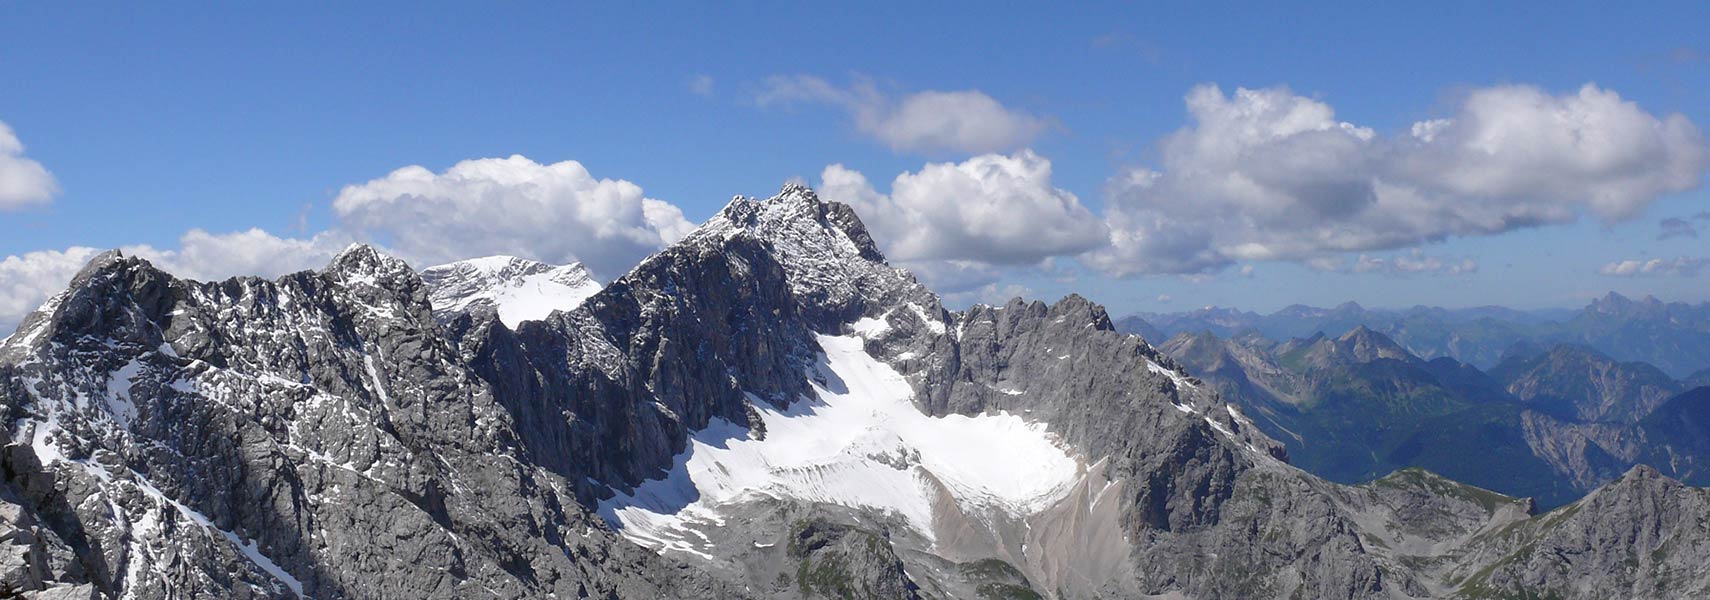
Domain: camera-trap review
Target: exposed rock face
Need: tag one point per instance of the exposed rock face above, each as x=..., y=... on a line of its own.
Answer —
x=1580, y=384
x=1641, y=536
x=331, y=434
x=309, y=436
x=839, y=561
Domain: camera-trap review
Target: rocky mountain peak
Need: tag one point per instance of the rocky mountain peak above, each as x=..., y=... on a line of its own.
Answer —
x=1614, y=304
x=362, y=265
x=797, y=210
x=113, y=292
x=1366, y=345
x=1079, y=309
x=831, y=264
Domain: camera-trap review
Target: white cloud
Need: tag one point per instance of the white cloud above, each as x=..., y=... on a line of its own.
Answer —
x=1537, y=154
x=965, y=121
x=991, y=209
x=952, y=276
x=23, y=182
x=210, y=257
x=1680, y=266
x=1270, y=175
x=991, y=294
x=556, y=213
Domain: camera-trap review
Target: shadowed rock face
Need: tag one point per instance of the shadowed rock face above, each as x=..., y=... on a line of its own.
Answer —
x=323, y=435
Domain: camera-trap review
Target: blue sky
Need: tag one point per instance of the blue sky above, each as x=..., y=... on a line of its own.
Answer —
x=154, y=122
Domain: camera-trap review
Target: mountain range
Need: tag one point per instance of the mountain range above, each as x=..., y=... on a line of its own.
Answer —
x=1551, y=425
x=1673, y=336
x=763, y=409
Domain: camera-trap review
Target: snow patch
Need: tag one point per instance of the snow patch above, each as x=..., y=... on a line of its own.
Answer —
x=118, y=396
x=869, y=327
x=861, y=443
x=1176, y=378
x=1219, y=427
x=534, y=297
x=932, y=323
x=517, y=289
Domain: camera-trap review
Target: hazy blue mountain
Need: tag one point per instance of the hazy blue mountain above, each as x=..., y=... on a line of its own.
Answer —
x=1580, y=384
x=1355, y=407
x=1138, y=326
x=1549, y=422
x=1678, y=435
x=1698, y=379
x=1673, y=336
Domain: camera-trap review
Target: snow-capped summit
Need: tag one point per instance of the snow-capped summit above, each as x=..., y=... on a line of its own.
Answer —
x=517, y=289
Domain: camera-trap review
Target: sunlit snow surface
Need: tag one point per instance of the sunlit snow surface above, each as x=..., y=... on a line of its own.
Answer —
x=861, y=443
x=518, y=289
x=535, y=297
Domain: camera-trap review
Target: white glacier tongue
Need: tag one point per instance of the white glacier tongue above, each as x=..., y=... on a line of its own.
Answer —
x=516, y=289
x=862, y=444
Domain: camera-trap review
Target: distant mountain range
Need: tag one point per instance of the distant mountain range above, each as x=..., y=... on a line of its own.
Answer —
x=1673, y=336
x=1551, y=424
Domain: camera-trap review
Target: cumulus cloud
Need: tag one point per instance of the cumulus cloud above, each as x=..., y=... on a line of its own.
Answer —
x=555, y=213
x=966, y=121
x=23, y=182
x=1271, y=175
x=952, y=276
x=210, y=257
x=1680, y=266
x=991, y=209
x=991, y=294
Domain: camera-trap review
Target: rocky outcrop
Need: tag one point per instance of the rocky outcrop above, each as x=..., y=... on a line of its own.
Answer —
x=838, y=561
x=1642, y=536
